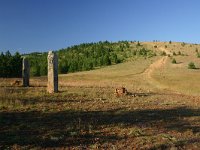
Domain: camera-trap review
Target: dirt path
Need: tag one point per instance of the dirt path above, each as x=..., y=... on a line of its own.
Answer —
x=165, y=50
x=157, y=65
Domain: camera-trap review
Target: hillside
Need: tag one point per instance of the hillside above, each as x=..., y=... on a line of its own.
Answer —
x=160, y=111
x=89, y=56
x=177, y=76
x=159, y=71
x=134, y=57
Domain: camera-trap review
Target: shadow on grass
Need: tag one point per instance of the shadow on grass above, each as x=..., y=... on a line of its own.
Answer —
x=179, y=62
x=75, y=128
x=180, y=143
x=142, y=94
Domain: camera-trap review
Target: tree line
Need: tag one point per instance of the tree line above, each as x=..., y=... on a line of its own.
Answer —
x=10, y=65
x=81, y=57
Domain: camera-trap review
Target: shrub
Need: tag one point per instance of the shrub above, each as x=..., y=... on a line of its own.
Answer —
x=191, y=65
x=151, y=54
x=163, y=53
x=143, y=52
x=174, y=61
x=183, y=44
x=179, y=53
x=138, y=43
x=198, y=55
x=174, y=53
x=170, y=42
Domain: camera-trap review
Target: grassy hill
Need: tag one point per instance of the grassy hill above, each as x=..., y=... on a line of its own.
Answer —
x=161, y=110
x=175, y=77
x=89, y=56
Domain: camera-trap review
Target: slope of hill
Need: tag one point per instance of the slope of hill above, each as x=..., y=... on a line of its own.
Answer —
x=177, y=76
x=161, y=110
x=89, y=56
x=159, y=71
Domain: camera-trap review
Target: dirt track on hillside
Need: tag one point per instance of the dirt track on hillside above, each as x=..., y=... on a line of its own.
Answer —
x=157, y=65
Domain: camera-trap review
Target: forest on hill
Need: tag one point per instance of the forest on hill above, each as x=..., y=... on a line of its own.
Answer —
x=10, y=65
x=81, y=57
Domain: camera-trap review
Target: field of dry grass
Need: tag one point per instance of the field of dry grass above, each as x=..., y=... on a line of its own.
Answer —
x=178, y=77
x=161, y=110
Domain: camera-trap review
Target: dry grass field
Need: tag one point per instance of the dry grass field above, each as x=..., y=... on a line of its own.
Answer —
x=161, y=110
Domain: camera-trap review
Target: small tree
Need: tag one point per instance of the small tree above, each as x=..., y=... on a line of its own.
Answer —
x=183, y=44
x=174, y=53
x=138, y=43
x=163, y=53
x=191, y=65
x=174, y=61
x=198, y=55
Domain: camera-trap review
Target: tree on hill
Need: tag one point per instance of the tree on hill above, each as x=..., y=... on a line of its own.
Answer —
x=174, y=61
x=10, y=65
x=191, y=65
x=86, y=56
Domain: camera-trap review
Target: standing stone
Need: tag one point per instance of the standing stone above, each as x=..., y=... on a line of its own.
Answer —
x=25, y=72
x=52, y=85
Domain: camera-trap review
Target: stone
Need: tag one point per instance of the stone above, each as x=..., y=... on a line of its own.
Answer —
x=25, y=72
x=121, y=91
x=16, y=82
x=52, y=84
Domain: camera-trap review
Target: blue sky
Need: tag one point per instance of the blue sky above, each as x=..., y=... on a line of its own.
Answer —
x=42, y=25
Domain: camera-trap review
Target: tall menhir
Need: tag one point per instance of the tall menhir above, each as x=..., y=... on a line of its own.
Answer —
x=52, y=85
x=25, y=72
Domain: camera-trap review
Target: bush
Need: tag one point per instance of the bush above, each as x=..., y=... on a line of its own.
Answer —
x=163, y=53
x=174, y=61
x=174, y=53
x=191, y=65
x=138, y=44
x=183, y=44
x=198, y=55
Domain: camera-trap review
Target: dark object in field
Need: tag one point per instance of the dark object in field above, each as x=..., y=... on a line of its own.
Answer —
x=121, y=91
x=25, y=72
x=16, y=82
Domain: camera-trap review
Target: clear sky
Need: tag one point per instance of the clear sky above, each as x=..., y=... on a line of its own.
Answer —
x=41, y=25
